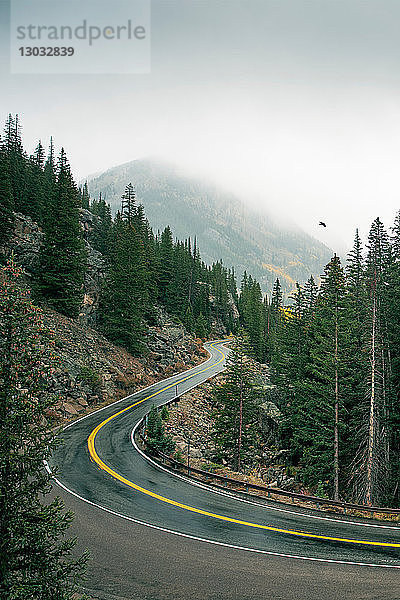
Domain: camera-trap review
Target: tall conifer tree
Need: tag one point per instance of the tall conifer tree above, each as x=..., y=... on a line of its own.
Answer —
x=125, y=293
x=236, y=431
x=6, y=199
x=63, y=256
x=374, y=462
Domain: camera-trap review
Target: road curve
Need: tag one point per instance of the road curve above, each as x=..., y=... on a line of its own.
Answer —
x=140, y=522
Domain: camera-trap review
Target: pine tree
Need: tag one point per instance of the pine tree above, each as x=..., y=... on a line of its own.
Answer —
x=166, y=264
x=219, y=290
x=236, y=432
x=200, y=296
x=375, y=460
x=49, y=186
x=291, y=340
x=63, y=256
x=253, y=316
x=356, y=361
x=396, y=237
x=392, y=307
x=180, y=289
x=310, y=296
x=275, y=322
x=332, y=305
x=85, y=197
x=290, y=363
x=128, y=204
x=357, y=296
x=156, y=438
x=124, y=295
x=6, y=199
x=317, y=405
x=201, y=327
x=145, y=233
x=100, y=238
x=17, y=161
x=277, y=295
x=34, y=201
x=35, y=555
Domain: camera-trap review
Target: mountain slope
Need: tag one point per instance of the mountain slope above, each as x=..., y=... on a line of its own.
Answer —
x=90, y=369
x=225, y=228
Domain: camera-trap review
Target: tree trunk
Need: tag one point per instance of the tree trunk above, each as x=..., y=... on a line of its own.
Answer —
x=240, y=416
x=336, y=441
x=372, y=409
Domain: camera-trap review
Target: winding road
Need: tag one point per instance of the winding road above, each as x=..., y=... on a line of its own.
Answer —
x=154, y=535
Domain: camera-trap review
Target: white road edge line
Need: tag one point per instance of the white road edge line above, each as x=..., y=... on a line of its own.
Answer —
x=214, y=542
x=204, y=486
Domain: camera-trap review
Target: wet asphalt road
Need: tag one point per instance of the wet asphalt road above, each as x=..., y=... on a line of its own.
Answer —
x=130, y=560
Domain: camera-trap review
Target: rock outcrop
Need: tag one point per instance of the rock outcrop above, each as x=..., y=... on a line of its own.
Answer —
x=25, y=243
x=95, y=270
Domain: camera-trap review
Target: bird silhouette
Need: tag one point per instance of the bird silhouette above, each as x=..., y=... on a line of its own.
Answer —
x=322, y=223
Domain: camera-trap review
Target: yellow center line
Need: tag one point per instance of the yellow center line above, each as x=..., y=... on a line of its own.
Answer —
x=95, y=457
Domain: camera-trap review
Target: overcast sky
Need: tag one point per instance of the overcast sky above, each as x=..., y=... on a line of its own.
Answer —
x=295, y=105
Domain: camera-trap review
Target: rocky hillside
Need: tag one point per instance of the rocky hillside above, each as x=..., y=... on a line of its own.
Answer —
x=91, y=370
x=225, y=228
x=191, y=418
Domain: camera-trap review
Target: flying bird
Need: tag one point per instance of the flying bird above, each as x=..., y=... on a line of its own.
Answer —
x=322, y=223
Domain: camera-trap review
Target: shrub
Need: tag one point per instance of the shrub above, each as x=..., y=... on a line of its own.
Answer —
x=157, y=440
x=90, y=378
x=211, y=467
x=320, y=490
x=178, y=456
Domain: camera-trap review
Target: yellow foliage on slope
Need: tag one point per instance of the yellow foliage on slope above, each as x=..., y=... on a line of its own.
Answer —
x=279, y=272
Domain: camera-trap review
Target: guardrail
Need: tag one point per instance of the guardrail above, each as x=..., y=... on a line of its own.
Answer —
x=270, y=492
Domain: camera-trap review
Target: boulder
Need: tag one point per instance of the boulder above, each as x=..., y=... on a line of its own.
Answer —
x=82, y=401
x=69, y=408
x=195, y=453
